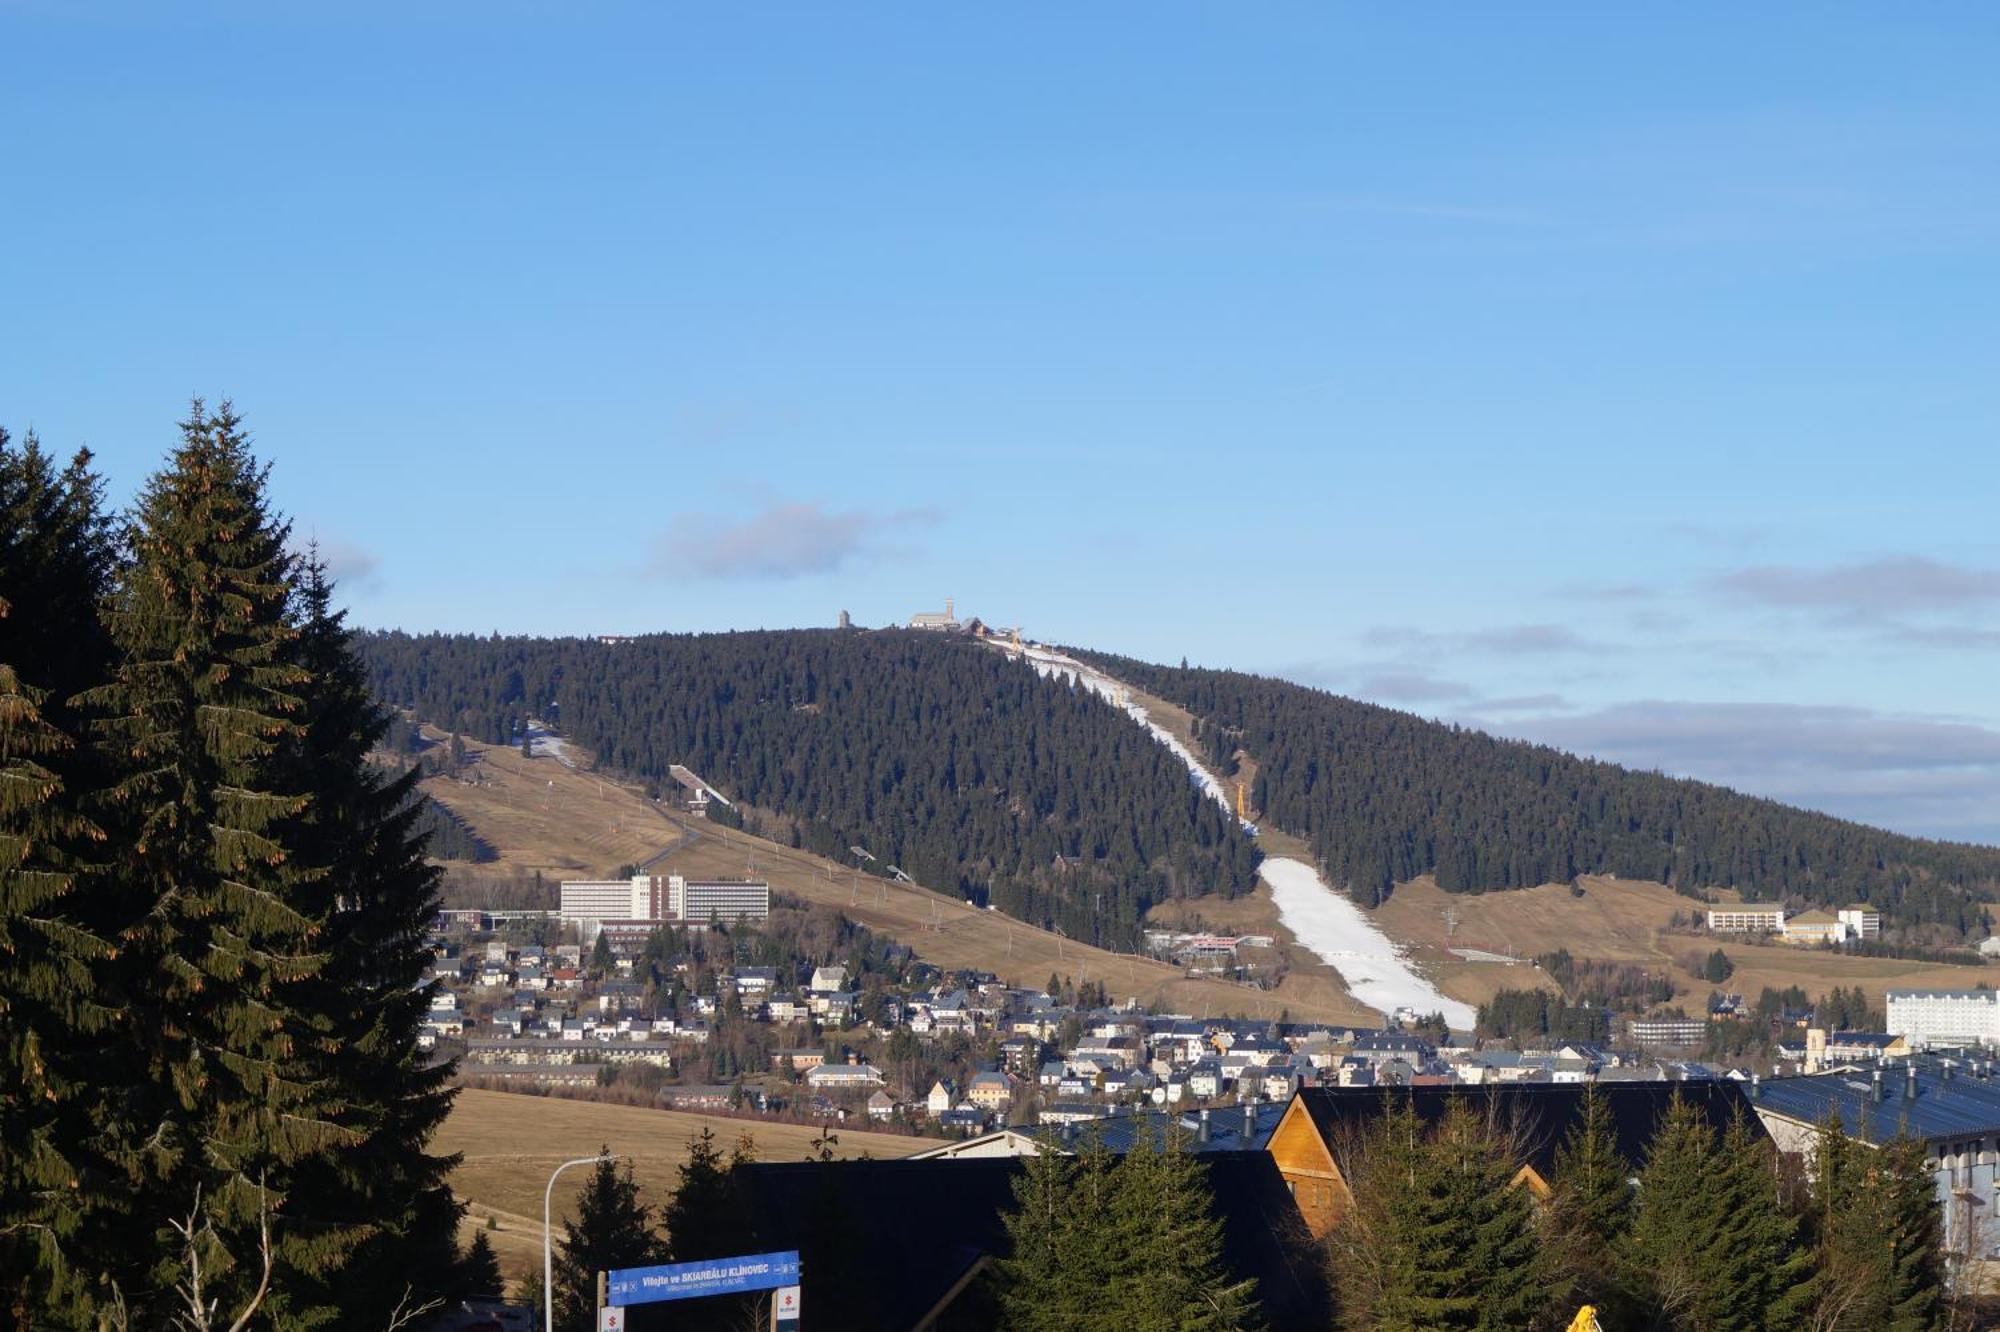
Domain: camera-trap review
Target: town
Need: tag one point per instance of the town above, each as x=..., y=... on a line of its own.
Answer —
x=644, y=990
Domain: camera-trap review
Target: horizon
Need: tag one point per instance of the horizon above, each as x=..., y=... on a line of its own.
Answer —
x=1591, y=381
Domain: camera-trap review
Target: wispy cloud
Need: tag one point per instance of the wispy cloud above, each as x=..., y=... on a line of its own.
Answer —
x=1932, y=776
x=1507, y=640
x=352, y=567
x=782, y=539
x=1867, y=590
x=1401, y=686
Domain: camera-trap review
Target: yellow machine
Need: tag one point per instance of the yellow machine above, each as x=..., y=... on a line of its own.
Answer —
x=1586, y=1320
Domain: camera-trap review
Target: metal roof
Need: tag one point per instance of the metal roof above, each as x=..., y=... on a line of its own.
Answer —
x=1949, y=1101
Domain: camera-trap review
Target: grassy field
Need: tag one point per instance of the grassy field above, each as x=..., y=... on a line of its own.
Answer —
x=542, y=815
x=1624, y=920
x=511, y=1142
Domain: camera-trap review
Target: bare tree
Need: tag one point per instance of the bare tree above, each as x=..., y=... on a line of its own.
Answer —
x=198, y=1234
x=406, y=1313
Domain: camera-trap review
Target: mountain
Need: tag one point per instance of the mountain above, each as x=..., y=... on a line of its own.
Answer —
x=1384, y=796
x=936, y=754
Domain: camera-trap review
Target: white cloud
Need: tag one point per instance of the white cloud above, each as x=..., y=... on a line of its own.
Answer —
x=783, y=539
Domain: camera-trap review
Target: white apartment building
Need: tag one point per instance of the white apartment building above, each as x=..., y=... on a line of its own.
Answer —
x=702, y=901
x=1862, y=922
x=591, y=903
x=1746, y=919
x=1945, y=1017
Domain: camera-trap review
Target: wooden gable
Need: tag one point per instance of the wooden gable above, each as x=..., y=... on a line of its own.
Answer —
x=1306, y=1163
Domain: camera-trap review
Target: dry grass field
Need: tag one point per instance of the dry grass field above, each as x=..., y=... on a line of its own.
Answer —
x=542, y=815
x=510, y=1143
x=1624, y=920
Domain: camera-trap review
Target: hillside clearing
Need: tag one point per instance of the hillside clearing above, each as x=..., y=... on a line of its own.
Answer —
x=541, y=814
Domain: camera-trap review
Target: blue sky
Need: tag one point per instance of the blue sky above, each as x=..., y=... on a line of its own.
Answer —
x=1627, y=382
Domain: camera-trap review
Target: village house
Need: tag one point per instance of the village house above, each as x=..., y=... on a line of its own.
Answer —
x=990, y=1091
x=841, y=1077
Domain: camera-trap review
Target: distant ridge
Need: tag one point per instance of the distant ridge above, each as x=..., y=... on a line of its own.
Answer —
x=1384, y=796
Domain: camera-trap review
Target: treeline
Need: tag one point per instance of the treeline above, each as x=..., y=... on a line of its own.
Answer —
x=1537, y=1014
x=1713, y=1236
x=968, y=771
x=213, y=914
x=1385, y=796
x=1618, y=986
x=449, y=837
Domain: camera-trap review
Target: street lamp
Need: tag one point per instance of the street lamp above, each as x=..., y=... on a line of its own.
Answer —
x=548, y=1255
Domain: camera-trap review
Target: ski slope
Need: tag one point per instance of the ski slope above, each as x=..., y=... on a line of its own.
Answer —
x=1340, y=934
x=1325, y=921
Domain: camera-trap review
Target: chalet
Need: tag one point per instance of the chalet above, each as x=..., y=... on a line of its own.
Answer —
x=1322, y=1126
x=939, y=1100
x=881, y=1107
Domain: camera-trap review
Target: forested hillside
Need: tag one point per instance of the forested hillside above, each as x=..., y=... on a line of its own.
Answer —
x=967, y=770
x=1384, y=796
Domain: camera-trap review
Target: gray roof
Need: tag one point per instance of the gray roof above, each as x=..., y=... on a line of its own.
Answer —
x=1949, y=1102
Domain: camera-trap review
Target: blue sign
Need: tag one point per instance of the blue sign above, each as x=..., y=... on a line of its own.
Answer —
x=687, y=1281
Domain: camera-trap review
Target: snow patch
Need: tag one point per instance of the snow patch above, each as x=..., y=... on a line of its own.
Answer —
x=1340, y=934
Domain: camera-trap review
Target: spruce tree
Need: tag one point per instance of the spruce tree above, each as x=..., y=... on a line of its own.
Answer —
x=55, y=557
x=1761, y=1275
x=1174, y=1276
x=227, y=1094
x=1877, y=1235
x=1439, y=1235
x=1711, y=1246
x=1674, y=1221
x=373, y=1220
x=703, y=1218
x=1037, y=1228
x=479, y=1270
x=1589, y=1206
x=612, y=1230
x=1914, y=1231
x=1069, y=1250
